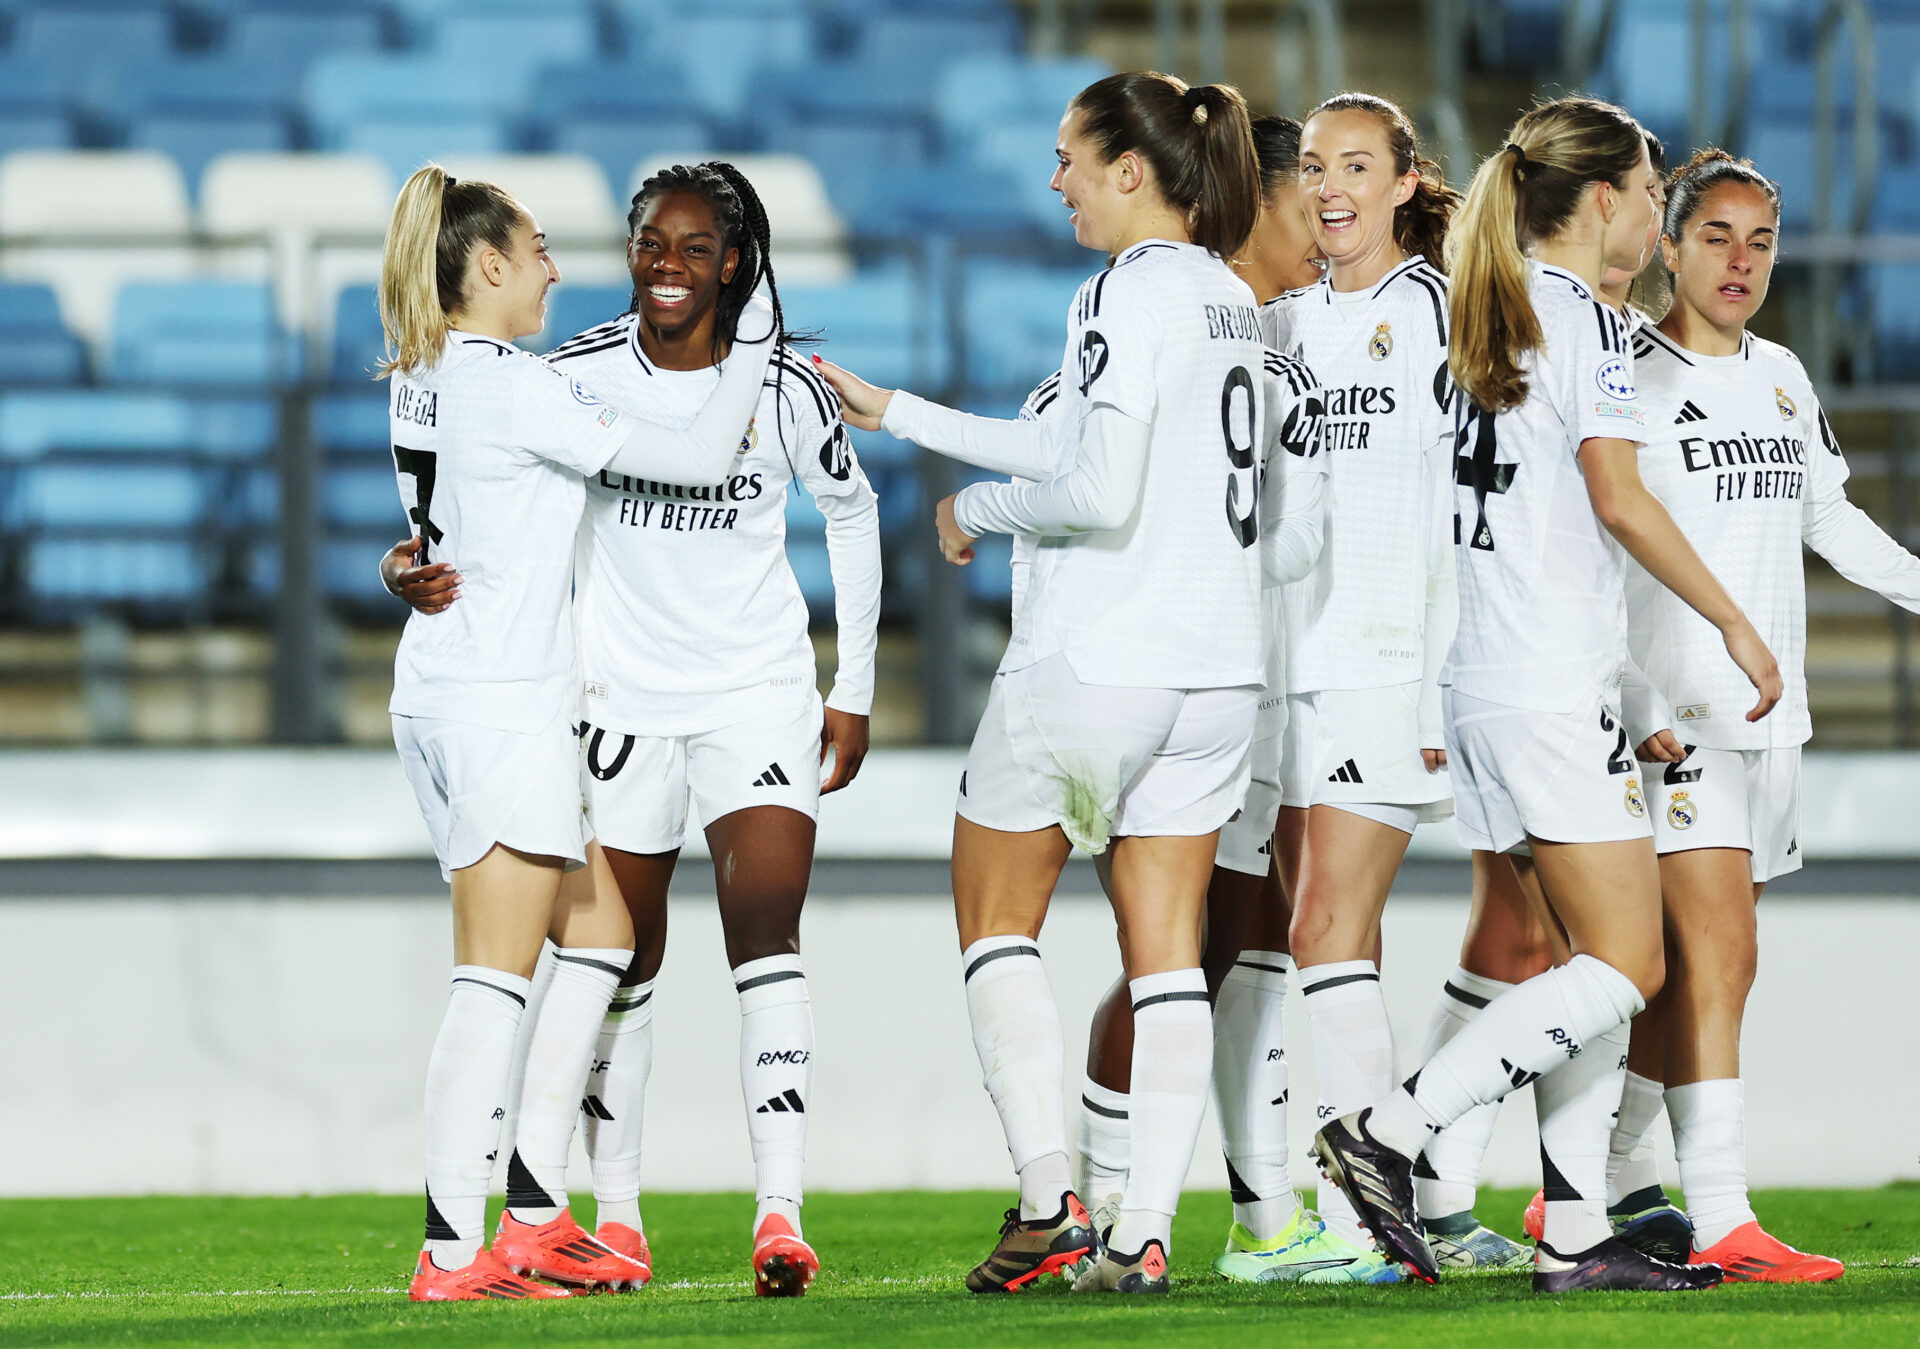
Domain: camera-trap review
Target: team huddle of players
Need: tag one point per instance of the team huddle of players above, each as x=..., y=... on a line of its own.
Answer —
x=1355, y=503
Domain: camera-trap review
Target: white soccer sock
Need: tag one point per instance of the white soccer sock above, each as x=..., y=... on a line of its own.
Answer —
x=558, y=1056
x=1352, y=1060
x=1106, y=1143
x=1250, y=1090
x=1631, y=1166
x=517, y=1074
x=1172, y=1066
x=466, y=1104
x=1521, y=1034
x=1709, y=1137
x=1023, y=1057
x=1576, y=1103
x=1447, y=1175
x=776, y=1079
x=615, y=1104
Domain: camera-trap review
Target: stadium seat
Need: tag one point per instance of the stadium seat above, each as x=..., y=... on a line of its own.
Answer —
x=110, y=494
x=988, y=89
x=207, y=333
x=886, y=325
x=989, y=577
x=807, y=232
x=197, y=86
x=47, y=129
x=1023, y=151
x=306, y=193
x=61, y=573
x=1016, y=321
x=631, y=88
x=617, y=142
x=727, y=55
x=567, y=194
x=361, y=495
x=520, y=40
x=808, y=558
x=405, y=141
x=78, y=192
x=295, y=37
x=853, y=156
x=351, y=422
x=925, y=42
x=573, y=309
x=89, y=36
x=1893, y=299
x=945, y=199
x=344, y=89
x=35, y=346
x=196, y=140
x=359, y=344
x=120, y=421
x=804, y=520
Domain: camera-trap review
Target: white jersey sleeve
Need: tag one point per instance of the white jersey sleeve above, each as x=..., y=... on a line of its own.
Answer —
x=1019, y=449
x=1293, y=485
x=559, y=419
x=1846, y=536
x=825, y=464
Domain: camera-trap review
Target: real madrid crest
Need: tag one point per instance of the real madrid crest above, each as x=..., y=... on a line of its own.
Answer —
x=1380, y=345
x=1681, y=812
x=1636, y=803
x=1784, y=403
x=751, y=440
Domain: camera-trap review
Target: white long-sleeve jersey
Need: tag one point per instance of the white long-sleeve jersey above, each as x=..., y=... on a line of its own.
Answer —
x=1378, y=607
x=1741, y=454
x=1542, y=610
x=689, y=614
x=1148, y=575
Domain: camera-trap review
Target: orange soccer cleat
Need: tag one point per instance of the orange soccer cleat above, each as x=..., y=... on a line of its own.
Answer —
x=484, y=1279
x=783, y=1264
x=1750, y=1255
x=628, y=1242
x=1534, y=1221
x=562, y=1250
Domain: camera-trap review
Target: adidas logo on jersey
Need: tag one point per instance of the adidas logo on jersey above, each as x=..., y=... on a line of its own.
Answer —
x=786, y=1103
x=773, y=777
x=1346, y=772
x=1689, y=412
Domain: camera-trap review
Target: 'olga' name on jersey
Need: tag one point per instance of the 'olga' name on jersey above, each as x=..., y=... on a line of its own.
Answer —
x=411, y=403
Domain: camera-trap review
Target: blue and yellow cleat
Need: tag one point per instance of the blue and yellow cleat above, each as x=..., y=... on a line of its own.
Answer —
x=1304, y=1252
x=1462, y=1245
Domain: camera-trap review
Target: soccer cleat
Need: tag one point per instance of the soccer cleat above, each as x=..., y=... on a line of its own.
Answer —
x=1647, y=1221
x=1379, y=1181
x=1105, y=1214
x=1612, y=1264
x=483, y=1279
x=562, y=1250
x=1534, y=1221
x=1750, y=1255
x=1142, y=1272
x=1304, y=1252
x=632, y=1244
x=1032, y=1247
x=783, y=1264
x=1462, y=1245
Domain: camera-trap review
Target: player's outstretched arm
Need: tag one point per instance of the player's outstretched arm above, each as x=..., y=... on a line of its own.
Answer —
x=1859, y=549
x=1101, y=491
x=1016, y=448
x=1635, y=517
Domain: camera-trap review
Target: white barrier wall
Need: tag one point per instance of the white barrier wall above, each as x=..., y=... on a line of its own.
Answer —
x=278, y=1046
x=329, y=803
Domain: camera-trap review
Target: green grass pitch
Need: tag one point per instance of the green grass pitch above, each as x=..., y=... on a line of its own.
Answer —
x=166, y=1271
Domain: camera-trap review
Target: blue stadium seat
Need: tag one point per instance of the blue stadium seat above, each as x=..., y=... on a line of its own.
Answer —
x=804, y=520
x=29, y=129
x=199, y=86
x=885, y=325
x=405, y=141
x=299, y=36
x=107, y=495
x=359, y=344
x=1016, y=321
x=520, y=40
x=1893, y=297
x=573, y=309
x=200, y=333
x=618, y=142
x=349, y=572
x=632, y=89
x=1023, y=151
x=344, y=88
x=808, y=558
x=195, y=139
x=723, y=86
x=33, y=424
x=925, y=42
x=361, y=495
x=855, y=158
x=944, y=199
x=352, y=421
x=89, y=35
x=35, y=346
x=62, y=572
x=989, y=577
x=988, y=89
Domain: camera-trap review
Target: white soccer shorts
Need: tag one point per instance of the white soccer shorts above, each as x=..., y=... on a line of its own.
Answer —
x=1104, y=761
x=1729, y=798
x=478, y=786
x=1246, y=840
x=1560, y=777
x=1359, y=749
x=637, y=787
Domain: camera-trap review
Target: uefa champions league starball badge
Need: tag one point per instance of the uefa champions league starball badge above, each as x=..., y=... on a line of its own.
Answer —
x=1784, y=403
x=1681, y=812
x=1636, y=802
x=1380, y=345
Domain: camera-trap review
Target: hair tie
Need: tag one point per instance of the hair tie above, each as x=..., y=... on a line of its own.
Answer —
x=451, y=180
x=1519, y=155
x=1196, y=101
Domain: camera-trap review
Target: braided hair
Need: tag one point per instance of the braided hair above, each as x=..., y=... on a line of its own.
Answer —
x=742, y=218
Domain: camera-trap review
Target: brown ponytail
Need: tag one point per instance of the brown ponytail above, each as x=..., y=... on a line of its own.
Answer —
x=437, y=223
x=1419, y=223
x=1198, y=139
x=1522, y=195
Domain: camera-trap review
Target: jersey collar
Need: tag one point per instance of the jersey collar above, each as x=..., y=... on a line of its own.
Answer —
x=633, y=345
x=1580, y=287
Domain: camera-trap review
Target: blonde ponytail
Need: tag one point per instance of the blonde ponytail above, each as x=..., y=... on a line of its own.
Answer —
x=1522, y=195
x=437, y=224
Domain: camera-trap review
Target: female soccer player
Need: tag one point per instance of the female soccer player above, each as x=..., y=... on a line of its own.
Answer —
x=1741, y=453
x=1363, y=758
x=491, y=446
x=699, y=678
x=1249, y=1057
x=1533, y=727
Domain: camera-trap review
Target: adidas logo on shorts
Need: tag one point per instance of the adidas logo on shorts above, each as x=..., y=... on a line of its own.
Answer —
x=773, y=777
x=1346, y=772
